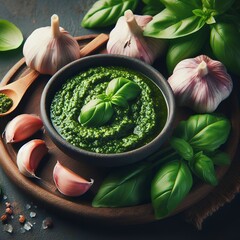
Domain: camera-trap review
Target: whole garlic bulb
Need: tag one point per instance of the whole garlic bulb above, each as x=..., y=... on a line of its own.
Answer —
x=127, y=38
x=49, y=48
x=200, y=83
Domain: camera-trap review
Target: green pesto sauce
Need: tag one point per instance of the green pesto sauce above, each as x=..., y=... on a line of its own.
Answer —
x=5, y=103
x=128, y=129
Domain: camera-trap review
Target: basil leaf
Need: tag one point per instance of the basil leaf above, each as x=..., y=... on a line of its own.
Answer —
x=225, y=44
x=95, y=113
x=119, y=101
x=168, y=25
x=220, y=6
x=182, y=8
x=10, y=36
x=204, y=132
x=115, y=84
x=106, y=12
x=126, y=186
x=123, y=87
x=220, y=158
x=153, y=7
x=185, y=47
x=169, y=187
x=202, y=166
x=232, y=18
x=182, y=147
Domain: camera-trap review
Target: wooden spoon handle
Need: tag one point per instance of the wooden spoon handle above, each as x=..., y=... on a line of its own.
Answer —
x=96, y=43
x=22, y=83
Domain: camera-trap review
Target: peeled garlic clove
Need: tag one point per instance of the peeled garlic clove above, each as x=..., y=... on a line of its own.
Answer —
x=50, y=48
x=200, y=83
x=68, y=182
x=22, y=127
x=30, y=155
x=127, y=38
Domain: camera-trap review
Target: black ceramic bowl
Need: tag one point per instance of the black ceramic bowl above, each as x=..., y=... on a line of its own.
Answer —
x=108, y=160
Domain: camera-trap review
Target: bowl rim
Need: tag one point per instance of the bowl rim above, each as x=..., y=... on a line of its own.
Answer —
x=58, y=139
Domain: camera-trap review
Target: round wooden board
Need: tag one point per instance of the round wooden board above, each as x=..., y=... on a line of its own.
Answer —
x=45, y=191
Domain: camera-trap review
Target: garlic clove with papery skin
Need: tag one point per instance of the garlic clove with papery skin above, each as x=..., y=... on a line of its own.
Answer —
x=127, y=38
x=68, y=182
x=22, y=127
x=200, y=83
x=30, y=155
x=50, y=48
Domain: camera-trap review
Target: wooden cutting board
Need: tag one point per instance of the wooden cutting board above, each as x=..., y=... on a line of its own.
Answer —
x=45, y=191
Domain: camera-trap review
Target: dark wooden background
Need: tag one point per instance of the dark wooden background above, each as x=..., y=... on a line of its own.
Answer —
x=29, y=15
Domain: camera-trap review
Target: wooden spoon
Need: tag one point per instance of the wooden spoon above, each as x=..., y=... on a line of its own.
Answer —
x=17, y=89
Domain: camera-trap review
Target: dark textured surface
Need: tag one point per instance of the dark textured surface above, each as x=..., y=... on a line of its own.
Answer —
x=29, y=15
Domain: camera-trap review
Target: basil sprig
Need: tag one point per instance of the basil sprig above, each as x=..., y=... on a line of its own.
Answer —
x=182, y=17
x=204, y=132
x=99, y=111
x=200, y=136
x=181, y=20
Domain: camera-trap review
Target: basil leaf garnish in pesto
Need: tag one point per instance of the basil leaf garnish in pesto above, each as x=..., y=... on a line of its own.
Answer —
x=99, y=111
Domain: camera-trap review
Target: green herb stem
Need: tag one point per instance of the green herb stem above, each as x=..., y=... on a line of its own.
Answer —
x=159, y=158
x=159, y=154
x=167, y=158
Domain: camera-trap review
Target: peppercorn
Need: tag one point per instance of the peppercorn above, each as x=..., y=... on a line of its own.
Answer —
x=4, y=218
x=9, y=211
x=22, y=219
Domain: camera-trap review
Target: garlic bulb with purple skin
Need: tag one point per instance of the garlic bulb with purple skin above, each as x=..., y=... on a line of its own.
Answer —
x=127, y=38
x=50, y=48
x=200, y=83
x=68, y=182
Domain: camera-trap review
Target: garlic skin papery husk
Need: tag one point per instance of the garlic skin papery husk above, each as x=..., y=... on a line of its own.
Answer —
x=50, y=48
x=30, y=155
x=200, y=83
x=68, y=182
x=22, y=127
x=127, y=38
